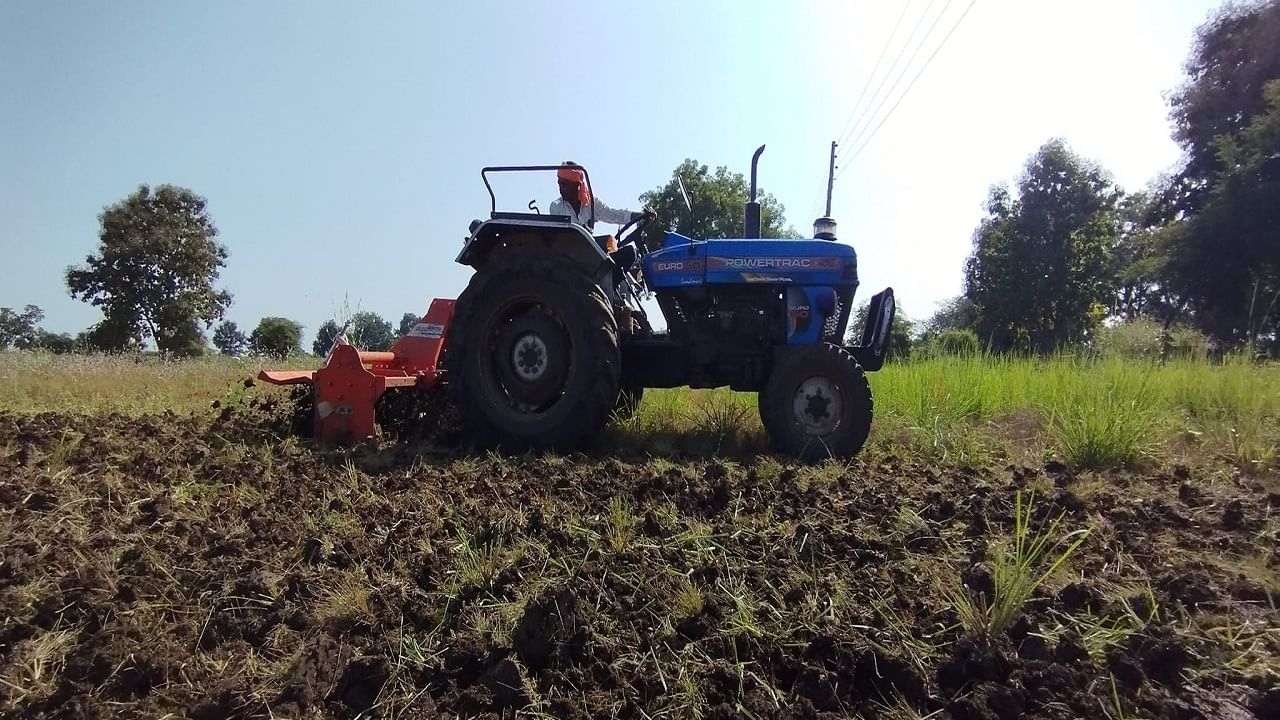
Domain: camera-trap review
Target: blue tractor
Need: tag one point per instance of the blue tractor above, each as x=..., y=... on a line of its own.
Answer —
x=549, y=340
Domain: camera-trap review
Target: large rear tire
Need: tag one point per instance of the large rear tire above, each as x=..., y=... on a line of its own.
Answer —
x=817, y=403
x=532, y=354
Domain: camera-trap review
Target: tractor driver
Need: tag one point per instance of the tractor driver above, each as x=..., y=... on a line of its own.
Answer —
x=576, y=201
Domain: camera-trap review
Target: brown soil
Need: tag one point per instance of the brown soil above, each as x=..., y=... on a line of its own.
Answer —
x=212, y=569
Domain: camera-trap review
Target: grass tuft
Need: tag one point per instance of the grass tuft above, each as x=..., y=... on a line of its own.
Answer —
x=1016, y=573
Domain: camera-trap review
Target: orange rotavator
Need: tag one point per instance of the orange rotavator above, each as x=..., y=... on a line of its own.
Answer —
x=349, y=384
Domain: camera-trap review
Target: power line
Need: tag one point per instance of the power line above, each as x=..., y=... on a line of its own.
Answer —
x=923, y=40
x=912, y=83
x=872, y=74
x=894, y=66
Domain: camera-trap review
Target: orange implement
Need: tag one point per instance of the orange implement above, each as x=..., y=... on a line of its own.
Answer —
x=350, y=382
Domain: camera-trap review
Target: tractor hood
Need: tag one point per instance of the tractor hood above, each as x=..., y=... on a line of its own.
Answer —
x=683, y=261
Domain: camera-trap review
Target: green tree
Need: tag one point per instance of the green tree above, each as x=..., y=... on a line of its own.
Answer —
x=958, y=313
x=718, y=200
x=365, y=330
x=901, y=336
x=111, y=335
x=56, y=343
x=368, y=331
x=1140, y=264
x=1213, y=244
x=1224, y=260
x=407, y=321
x=1232, y=61
x=326, y=336
x=276, y=337
x=154, y=272
x=960, y=342
x=229, y=340
x=1040, y=272
x=18, y=329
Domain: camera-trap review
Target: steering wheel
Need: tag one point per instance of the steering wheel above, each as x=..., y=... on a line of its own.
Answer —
x=635, y=226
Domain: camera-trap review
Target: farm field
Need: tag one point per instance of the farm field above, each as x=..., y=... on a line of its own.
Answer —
x=1055, y=538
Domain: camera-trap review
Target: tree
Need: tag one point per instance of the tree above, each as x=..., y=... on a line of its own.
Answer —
x=276, y=337
x=1040, y=273
x=326, y=336
x=18, y=329
x=1140, y=264
x=368, y=331
x=110, y=336
x=56, y=343
x=365, y=330
x=1224, y=261
x=718, y=201
x=407, y=321
x=1231, y=63
x=1213, y=243
x=901, y=336
x=154, y=272
x=229, y=340
x=958, y=313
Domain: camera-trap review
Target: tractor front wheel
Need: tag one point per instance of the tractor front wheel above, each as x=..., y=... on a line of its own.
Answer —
x=817, y=403
x=533, y=359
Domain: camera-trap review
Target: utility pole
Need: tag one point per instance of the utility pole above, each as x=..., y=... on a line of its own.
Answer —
x=831, y=177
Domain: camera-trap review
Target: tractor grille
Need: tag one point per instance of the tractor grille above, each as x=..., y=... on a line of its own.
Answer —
x=833, y=328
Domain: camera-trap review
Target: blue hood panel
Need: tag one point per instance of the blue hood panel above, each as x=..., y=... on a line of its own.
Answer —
x=684, y=262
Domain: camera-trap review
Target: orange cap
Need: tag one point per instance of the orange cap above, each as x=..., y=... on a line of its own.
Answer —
x=569, y=174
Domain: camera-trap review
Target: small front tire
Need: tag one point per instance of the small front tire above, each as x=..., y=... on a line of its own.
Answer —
x=817, y=403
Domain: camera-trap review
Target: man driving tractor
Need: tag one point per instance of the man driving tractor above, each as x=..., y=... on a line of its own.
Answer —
x=575, y=201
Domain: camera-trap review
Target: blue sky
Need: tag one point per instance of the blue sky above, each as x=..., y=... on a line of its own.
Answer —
x=339, y=145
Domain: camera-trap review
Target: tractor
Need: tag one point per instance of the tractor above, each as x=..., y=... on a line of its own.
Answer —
x=549, y=341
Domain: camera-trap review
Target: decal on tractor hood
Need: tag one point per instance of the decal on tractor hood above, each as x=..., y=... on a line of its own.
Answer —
x=694, y=265
x=773, y=263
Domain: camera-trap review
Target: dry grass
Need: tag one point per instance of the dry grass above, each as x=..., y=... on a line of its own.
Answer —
x=133, y=385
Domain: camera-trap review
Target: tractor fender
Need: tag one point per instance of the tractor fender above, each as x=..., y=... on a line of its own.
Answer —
x=495, y=237
x=875, y=334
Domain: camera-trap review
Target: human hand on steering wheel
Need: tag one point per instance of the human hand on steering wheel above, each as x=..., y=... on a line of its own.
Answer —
x=636, y=224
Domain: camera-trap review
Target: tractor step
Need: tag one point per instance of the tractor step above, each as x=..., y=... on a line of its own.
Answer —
x=350, y=382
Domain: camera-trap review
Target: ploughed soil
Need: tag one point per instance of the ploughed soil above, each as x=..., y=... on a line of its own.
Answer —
x=213, y=568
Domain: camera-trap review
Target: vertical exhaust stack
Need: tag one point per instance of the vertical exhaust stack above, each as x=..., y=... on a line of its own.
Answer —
x=752, y=224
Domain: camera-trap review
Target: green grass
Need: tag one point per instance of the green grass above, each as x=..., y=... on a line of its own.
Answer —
x=1091, y=412
x=1016, y=572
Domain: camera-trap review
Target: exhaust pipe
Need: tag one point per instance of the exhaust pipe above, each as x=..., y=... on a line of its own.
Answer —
x=751, y=226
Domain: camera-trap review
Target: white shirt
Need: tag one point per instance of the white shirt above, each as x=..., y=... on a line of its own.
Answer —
x=604, y=213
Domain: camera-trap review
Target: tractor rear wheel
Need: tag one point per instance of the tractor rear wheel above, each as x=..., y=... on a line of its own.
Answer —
x=533, y=359
x=817, y=403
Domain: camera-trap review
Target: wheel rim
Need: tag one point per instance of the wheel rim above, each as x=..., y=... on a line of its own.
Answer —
x=817, y=406
x=530, y=358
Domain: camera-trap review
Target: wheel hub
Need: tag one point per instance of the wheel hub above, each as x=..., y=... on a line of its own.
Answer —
x=817, y=406
x=529, y=357
x=530, y=360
